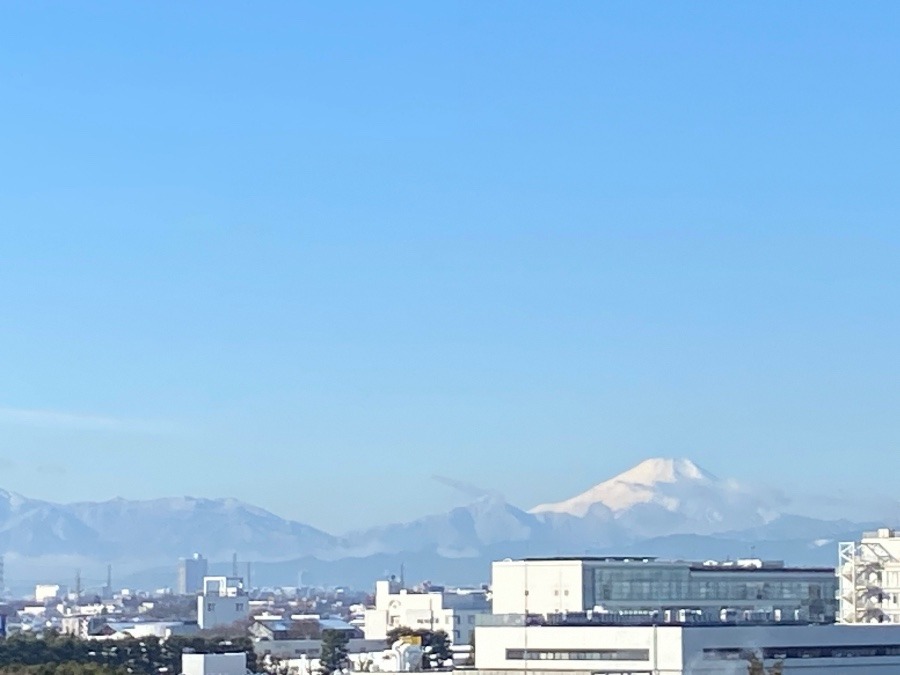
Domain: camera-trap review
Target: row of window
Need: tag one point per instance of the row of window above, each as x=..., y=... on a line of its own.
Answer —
x=455, y=619
x=620, y=586
x=211, y=607
x=783, y=653
x=578, y=654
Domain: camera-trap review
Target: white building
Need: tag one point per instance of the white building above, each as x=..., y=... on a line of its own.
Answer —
x=47, y=592
x=709, y=590
x=685, y=649
x=191, y=572
x=311, y=647
x=222, y=602
x=452, y=611
x=214, y=664
x=869, y=572
x=301, y=636
x=402, y=657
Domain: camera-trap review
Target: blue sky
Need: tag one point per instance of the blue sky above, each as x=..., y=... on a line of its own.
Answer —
x=299, y=252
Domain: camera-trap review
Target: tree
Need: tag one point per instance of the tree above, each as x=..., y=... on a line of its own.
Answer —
x=395, y=634
x=66, y=668
x=334, y=652
x=755, y=666
x=140, y=656
x=437, y=648
x=435, y=644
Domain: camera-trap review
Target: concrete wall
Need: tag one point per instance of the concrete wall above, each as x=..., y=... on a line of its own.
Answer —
x=676, y=650
x=215, y=610
x=214, y=664
x=417, y=611
x=753, y=638
x=663, y=645
x=287, y=649
x=551, y=586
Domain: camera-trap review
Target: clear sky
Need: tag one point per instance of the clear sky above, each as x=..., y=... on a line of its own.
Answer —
x=296, y=253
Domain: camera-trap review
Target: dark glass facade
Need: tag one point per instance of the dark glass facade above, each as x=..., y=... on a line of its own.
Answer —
x=798, y=594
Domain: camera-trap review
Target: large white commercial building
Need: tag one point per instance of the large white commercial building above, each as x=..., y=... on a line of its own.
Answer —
x=748, y=589
x=452, y=611
x=642, y=616
x=685, y=649
x=222, y=602
x=869, y=572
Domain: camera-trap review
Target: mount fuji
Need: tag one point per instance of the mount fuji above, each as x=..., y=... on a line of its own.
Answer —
x=665, y=507
x=667, y=496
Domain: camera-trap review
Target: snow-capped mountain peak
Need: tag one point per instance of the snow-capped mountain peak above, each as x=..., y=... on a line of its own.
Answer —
x=663, y=470
x=664, y=482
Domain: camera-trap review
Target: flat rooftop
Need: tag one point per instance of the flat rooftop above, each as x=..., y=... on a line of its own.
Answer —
x=587, y=558
x=750, y=565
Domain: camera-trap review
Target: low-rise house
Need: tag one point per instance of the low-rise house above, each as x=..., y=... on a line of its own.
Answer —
x=301, y=635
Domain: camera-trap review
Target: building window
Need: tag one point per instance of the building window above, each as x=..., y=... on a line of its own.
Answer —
x=578, y=654
x=783, y=653
x=239, y=607
x=210, y=607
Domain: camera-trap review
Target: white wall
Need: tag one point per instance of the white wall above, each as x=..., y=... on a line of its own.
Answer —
x=551, y=585
x=676, y=650
x=161, y=629
x=44, y=592
x=215, y=610
x=223, y=602
x=284, y=649
x=214, y=664
x=417, y=611
x=663, y=644
x=696, y=639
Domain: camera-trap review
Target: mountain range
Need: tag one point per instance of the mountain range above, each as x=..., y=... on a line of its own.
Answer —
x=664, y=507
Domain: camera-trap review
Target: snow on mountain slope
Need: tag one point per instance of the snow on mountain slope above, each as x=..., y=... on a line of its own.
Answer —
x=658, y=502
x=462, y=531
x=662, y=496
x=638, y=485
x=215, y=526
x=158, y=529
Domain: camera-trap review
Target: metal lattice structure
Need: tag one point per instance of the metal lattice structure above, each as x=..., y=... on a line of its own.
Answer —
x=869, y=579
